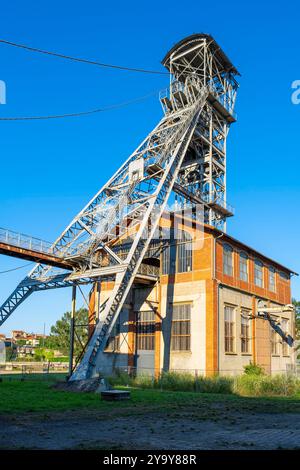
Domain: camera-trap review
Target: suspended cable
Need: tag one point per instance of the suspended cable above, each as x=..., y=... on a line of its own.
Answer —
x=78, y=59
x=15, y=269
x=82, y=113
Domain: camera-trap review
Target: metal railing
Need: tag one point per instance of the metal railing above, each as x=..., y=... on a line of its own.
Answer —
x=224, y=100
x=212, y=198
x=25, y=241
x=149, y=270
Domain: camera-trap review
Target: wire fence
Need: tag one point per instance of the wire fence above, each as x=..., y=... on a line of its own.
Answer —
x=34, y=370
x=59, y=371
x=131, y=371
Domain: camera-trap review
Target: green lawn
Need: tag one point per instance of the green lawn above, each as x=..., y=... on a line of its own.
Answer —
x=39, y=396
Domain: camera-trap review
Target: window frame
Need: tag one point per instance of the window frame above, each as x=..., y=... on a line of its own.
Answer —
x=244, y=255
x=284, y=276
x=258, y=262
x=230, y=339
x=226, y=249
x=177, y=336
x=145, y=330
x=248, y=337
x=183, y=248
x=165, y=260
x=184, y=245
x=272, y=270
x=275, y=342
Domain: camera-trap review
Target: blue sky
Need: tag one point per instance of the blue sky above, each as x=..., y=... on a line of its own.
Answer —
x=49, y=169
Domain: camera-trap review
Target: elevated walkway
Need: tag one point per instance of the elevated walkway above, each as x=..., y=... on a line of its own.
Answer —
x=34, y=249
x=29, y=248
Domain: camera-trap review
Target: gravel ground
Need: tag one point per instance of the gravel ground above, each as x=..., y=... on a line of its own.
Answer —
x=152, y=430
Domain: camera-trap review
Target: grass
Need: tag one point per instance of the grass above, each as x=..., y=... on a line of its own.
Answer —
x=174, y=381
x=39, y=396
x=265, y=385
x=247, y=384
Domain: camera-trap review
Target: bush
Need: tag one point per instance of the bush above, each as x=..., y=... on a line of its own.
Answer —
x=176, y=382
x=145, y=381
x=215, y=384
x=120, y=378
x=265, y=385
x=253, y=369
x=249, y=384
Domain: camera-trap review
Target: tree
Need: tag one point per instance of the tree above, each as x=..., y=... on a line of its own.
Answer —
x=10, y=353
x=60, y=332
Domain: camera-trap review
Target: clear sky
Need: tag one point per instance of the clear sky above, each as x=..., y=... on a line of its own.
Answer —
x=49, y=169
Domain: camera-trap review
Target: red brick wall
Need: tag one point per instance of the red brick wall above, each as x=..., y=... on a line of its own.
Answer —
x=283, y=287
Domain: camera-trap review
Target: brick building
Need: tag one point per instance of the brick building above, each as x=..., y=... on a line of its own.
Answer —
x=196, y=307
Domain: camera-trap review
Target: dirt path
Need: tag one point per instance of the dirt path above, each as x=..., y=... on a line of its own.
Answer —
x=172, y=430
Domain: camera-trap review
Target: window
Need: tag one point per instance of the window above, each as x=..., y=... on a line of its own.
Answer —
x=244, y=267
x=284, y=276
x=184, y=252
x=272, y=286
x=258, y=273
x=275, y=342
x=146, y=330
x=181, y=328
x=180, y=255
x=227, y=260
x=285, y=328
x=229, y=314
x=166, y=260
x=113, y=342
x=245, y=332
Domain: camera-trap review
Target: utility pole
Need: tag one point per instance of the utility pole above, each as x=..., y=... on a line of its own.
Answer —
x=44, y=331
x=72, y=325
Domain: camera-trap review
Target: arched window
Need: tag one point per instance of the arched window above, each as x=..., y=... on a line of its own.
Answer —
x=284, y=276
x=258, y=273
x=227, y=260
x=272, y=284
x=244, y=266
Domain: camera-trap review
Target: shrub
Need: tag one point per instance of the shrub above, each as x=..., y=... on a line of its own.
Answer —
x=253, y=369
x=120, y=378
x=216, y=384
x=265, y=385
x=176, y=381
x=145, y=381
x=248, y=384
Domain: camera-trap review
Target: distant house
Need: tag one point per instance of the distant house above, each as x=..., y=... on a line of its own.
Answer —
x=22, y=343
x=18, y=334
x=25, y=350
x=33, y=339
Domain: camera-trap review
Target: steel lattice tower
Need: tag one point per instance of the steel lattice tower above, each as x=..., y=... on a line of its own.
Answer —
x=184, y=155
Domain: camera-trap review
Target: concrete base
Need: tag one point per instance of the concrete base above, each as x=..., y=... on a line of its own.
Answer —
x=115, y=395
